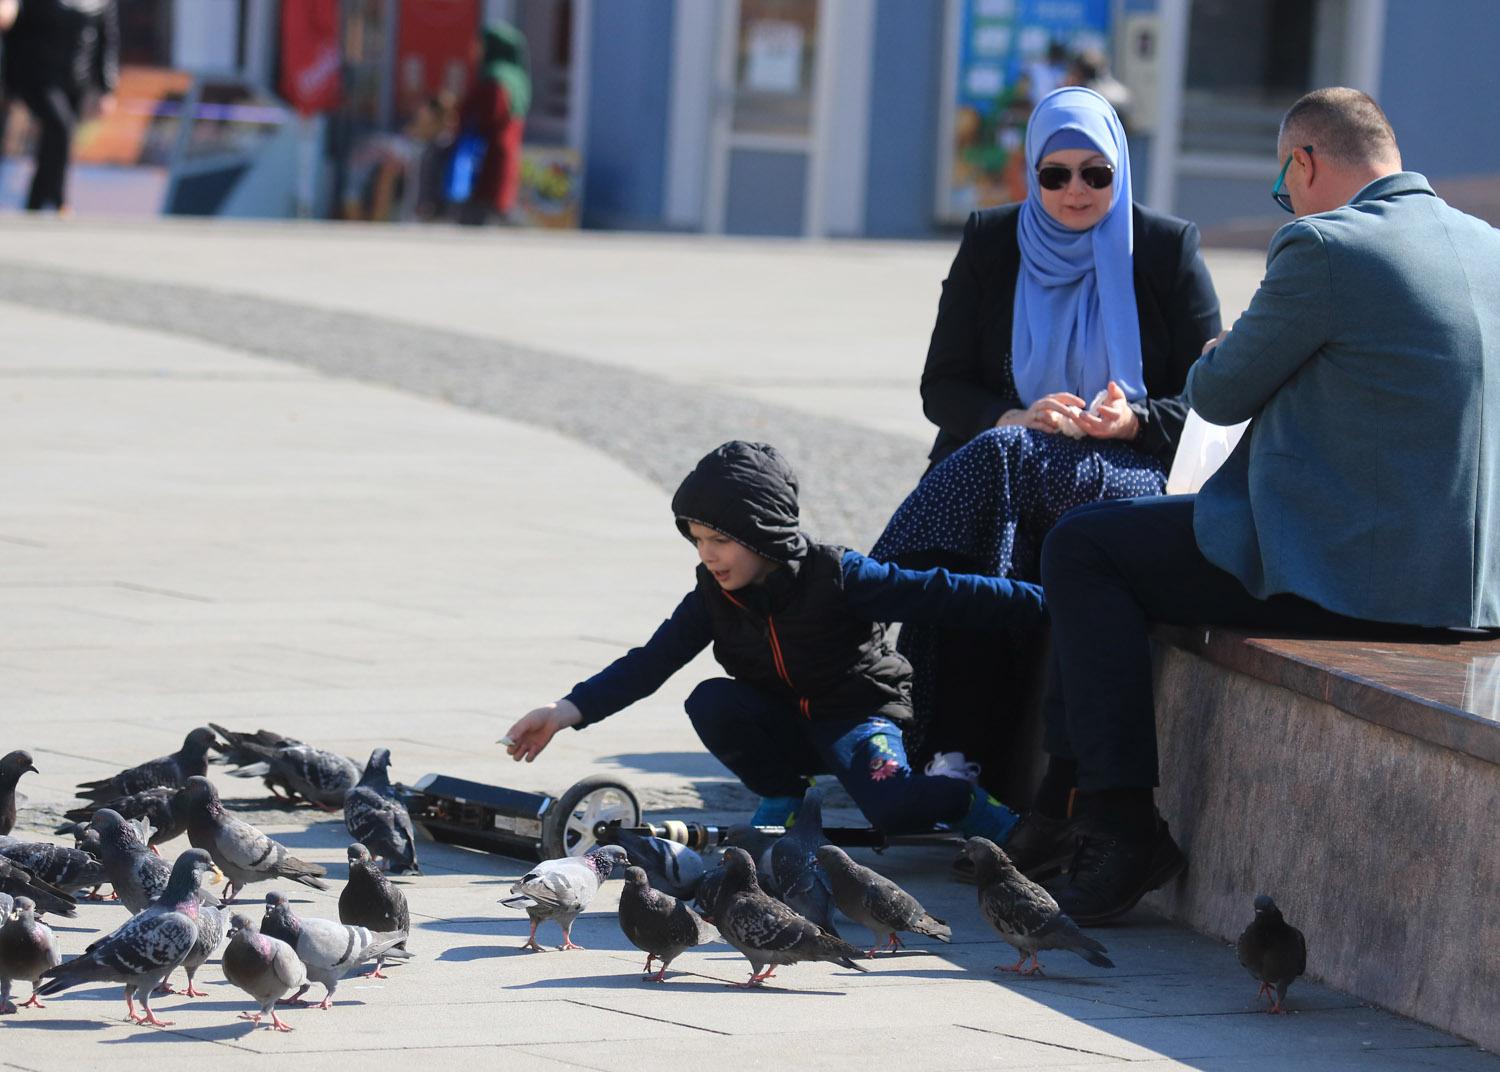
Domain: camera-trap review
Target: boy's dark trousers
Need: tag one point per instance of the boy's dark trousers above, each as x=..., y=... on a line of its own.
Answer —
x=771, y=747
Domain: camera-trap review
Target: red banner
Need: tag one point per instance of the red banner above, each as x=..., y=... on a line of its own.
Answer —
x=311, y=76
x=434, y=48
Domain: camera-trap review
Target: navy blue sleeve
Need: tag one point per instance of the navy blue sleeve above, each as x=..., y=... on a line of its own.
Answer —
x=641, y=671
x=887, y=593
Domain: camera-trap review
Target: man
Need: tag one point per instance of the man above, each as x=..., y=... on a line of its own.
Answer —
x=1364, y=496
x=55, y=54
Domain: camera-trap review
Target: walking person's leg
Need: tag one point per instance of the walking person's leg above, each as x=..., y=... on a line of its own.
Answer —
x=56, y=114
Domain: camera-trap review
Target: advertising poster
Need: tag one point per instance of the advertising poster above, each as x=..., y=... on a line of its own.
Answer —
x=1003, y=56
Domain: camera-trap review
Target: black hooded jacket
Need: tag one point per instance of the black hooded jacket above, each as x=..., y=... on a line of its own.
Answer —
x=810, y=633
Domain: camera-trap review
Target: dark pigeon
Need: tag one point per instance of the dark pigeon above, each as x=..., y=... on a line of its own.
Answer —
x=369, y=900
x=317, y=776
x=242, y=852
x=166, y=771
x=328, y=950
x=12, y=766
x=658, y=924
x=60, y=866
x=708, y=891
x=561, y=889
x=145, y=950
x=671, y=868
x=1273, y=952
x=153, y=805
x=378, y=820
x=137, y=874
x=27, y=950
x=266, y=968
x=800, y=880
x=232, y=746
x=874, y=901
x=767, y=931
x=16, y=881
x=85, y=839
x=1023, y=913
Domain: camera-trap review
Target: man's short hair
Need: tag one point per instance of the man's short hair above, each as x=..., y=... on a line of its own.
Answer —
x=1342, y=124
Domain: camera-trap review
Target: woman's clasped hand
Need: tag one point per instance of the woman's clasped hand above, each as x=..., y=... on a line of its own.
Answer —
x=1109, y=416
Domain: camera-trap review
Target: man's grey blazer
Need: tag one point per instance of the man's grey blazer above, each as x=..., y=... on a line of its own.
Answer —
x=1369, y=480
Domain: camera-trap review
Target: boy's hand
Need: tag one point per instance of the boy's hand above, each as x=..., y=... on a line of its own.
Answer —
x=526, y=739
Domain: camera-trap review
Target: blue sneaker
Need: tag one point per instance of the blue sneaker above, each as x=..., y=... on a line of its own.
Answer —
x=988, y=818
x=776, y=811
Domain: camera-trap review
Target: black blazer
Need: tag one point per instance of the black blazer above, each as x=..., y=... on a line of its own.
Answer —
x=967, y=385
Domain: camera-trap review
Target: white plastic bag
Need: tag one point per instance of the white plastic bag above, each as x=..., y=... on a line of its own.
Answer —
x=1200, y=452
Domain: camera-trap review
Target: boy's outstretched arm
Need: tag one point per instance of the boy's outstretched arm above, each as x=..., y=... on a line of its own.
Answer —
x=887, y=593
x=633, y=676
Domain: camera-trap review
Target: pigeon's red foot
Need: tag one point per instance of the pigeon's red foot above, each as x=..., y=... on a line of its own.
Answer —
x=568, y=943
x=32, y=1002
x=326, y=1003
x=377, y=974
x=149, y=1017
x=155, y=850
x=253, y=1017
x=277, y=1024
x=661, y=976
x=1267, y=991
x=534, y=946
x=192, y=992
x=1278, y=1009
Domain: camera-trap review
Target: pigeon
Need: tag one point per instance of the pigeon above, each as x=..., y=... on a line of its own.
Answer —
x=317, y=776
x=369, y=900
x=211, y=921
x=874, y=901
x=147, y=947
x=1023, y=913
x=12, y=766
x=27, y=950
x=766, y=930
x=243, y=853
x=16, y=881
x=234, y=751
x=671, y=868
x=800, y=880
x=152, y=805
x=1273, y=951
x=137, y=874
x=658, y=924
x=85, y=839
x=60, y=866
x=167, y=771
x=708, y=891
x=266, y=968
x=328, y=950
x=378, y=820
x=561, y=889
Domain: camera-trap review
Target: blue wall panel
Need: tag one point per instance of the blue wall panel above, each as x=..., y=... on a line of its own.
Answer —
x=767, y=193
x=901, y=181
x=1440, y=84
x=630, y=83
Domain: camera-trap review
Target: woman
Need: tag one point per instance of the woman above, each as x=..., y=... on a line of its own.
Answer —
x=494, y=112
x=1064, y=334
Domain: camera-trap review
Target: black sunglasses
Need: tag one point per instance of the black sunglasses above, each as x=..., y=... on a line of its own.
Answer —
x=1095, y=176
x=1278, y=192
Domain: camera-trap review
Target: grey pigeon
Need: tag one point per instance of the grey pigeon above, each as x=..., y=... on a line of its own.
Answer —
x=800, y=880
x=163, y=772
x=85, y=839
x=1023, y=913
x=671, y=868
x=266, y=968
x=137, y=874
x=60, y=866
x=1273, y=952
x=27, y=950
x=708, y=891
x=874, y=901
x=211, y=922
x=369, y=900
x=316, y=775
x=236, y=749
x=147, y=947
x=12, y=766
x=378, y=820
x=243, y=853
x=328, y=950
x=16, y=881
x=152, y=805
x=766, y=930
x=658, y=924
x=561, y=889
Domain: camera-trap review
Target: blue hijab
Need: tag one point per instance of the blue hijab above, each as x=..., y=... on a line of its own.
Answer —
x=1076, y=326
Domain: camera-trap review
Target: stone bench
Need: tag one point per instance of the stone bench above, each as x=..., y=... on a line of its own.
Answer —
x=1356, y=782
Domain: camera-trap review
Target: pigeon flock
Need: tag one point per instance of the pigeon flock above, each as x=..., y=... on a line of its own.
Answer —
x=770, y=897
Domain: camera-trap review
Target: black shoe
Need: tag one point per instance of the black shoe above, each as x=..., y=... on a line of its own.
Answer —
x=1110, y=874
x=1038, y=846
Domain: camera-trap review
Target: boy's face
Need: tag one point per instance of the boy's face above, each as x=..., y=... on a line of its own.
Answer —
x=733, y=564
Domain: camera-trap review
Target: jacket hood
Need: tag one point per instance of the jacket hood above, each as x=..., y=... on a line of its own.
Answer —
x=748, y=492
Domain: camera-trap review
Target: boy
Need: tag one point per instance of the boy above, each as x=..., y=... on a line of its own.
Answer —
x=814, y=686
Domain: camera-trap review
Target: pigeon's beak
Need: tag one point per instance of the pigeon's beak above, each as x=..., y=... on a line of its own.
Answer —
x=32, y=769
x=215, y=876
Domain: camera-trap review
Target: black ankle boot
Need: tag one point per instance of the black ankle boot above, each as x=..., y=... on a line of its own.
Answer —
x=1110, y=872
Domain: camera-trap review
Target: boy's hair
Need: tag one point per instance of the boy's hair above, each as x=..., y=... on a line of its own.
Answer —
x=748, y=492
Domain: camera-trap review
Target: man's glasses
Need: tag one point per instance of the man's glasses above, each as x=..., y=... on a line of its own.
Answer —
x=1280, y=196
x=1095, y=176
